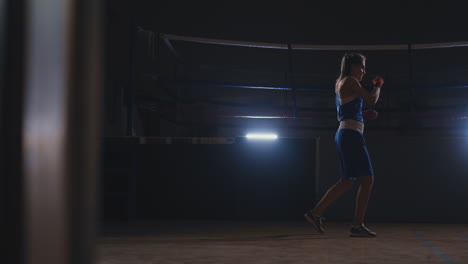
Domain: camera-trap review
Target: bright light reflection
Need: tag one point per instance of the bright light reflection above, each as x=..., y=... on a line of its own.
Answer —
x=262, y=136
x=263, y=117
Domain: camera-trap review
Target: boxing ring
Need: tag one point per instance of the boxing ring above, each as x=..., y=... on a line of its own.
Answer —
x=409, y=242
x=295, y=112
x=290, y=87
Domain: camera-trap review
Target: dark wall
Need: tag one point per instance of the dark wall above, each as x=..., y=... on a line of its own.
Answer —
x=417, y=178
x=117, y=61
x=241, y=181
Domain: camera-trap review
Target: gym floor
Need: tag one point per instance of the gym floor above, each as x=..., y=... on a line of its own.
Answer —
x=278, y=242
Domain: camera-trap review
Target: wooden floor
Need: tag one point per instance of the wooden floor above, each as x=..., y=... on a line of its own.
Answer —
x=296, y=242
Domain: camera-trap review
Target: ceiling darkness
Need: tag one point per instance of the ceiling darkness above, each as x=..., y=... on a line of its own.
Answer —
x=314, y=22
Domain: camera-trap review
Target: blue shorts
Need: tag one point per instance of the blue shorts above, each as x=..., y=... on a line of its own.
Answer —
x=353, y=155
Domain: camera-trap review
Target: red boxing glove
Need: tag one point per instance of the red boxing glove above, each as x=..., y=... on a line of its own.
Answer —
x=370, y=114
x=378, y=81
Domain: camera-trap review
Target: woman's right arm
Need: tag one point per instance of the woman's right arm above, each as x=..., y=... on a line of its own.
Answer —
x=370, y=98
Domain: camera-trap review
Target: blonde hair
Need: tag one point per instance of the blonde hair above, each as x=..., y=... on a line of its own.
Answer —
x=348, y=60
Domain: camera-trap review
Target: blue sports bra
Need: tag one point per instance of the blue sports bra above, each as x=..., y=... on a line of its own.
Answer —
x=350, y=110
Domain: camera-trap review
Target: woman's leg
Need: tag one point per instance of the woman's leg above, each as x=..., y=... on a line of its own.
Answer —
x=362, y=198
x=331, y=195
